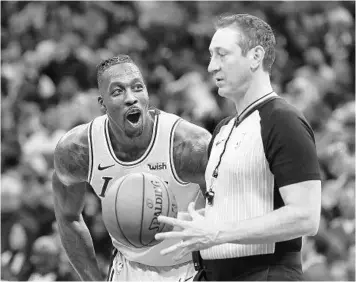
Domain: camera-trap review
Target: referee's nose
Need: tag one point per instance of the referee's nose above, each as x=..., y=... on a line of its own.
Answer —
x=213, y=66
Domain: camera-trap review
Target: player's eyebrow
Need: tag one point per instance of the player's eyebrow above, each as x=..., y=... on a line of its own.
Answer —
x=115, y=84
x=124, y=84
x=136, y=79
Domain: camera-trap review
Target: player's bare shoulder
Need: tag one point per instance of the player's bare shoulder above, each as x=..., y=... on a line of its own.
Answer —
x=71, y=156
x=190, y=147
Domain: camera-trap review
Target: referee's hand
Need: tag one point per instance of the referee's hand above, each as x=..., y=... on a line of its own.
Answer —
x=195, y=234
x=187, y=216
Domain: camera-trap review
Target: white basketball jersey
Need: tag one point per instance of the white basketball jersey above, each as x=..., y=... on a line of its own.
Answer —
x=105, y=168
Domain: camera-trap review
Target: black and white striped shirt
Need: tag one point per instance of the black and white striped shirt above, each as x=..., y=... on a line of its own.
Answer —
x=271, y=146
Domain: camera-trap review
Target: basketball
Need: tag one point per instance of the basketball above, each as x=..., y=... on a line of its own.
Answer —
x=131, y=207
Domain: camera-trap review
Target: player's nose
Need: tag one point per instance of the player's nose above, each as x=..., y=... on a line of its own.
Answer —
x=130, y=98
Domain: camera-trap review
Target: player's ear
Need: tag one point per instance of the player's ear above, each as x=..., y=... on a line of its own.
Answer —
x=101, y=103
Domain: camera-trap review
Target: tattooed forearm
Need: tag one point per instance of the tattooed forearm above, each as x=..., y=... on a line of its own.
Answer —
x=74, y=234
x=79, y=247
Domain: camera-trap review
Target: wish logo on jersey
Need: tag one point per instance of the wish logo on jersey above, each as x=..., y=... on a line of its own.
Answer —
x=157, y=166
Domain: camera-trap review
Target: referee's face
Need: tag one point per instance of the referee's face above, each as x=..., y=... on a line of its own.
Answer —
x=230, y=69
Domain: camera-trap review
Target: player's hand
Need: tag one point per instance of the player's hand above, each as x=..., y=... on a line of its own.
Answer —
x=195, y=234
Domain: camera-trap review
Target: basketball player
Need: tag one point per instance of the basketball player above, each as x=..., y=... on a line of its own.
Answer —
x=128, y=138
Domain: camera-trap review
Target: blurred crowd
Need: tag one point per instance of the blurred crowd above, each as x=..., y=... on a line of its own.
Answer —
x=49, y=51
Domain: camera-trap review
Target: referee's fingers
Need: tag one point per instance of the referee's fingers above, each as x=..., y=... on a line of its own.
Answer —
x=183, y=252
x=193, y=213
x=174, y=248
x=173, y=221
x=169, y=250
x=171, y=235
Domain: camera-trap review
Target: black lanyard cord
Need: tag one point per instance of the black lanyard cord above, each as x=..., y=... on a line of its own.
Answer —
x=210, y=193
x=216, y=170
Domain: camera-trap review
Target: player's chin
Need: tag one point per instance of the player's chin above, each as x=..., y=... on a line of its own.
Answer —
x=134, y=129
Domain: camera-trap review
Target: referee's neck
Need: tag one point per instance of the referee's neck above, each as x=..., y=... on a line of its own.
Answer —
x=259, y=87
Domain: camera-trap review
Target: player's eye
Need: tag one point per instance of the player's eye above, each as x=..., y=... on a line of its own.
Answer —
x=137, y=87
x=117, y=91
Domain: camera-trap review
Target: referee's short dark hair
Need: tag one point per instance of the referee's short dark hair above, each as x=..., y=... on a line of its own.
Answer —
x=255, y=32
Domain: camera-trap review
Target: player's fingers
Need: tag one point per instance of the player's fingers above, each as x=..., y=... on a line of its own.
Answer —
x=173, y=221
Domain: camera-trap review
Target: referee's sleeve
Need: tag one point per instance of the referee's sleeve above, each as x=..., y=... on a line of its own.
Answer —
x=289, y=147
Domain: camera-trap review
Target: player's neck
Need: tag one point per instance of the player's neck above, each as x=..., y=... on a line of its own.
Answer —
x=123, y=143
x=259, y=86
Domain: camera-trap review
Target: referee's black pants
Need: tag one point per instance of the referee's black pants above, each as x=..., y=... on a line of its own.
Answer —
x=271, y=267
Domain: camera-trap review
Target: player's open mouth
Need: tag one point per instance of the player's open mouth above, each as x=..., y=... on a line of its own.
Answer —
x=133, y=116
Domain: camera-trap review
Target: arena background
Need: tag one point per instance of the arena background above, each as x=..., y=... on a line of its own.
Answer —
x=49, y=51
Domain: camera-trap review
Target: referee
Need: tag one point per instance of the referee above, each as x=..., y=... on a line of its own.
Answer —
x=263, y=182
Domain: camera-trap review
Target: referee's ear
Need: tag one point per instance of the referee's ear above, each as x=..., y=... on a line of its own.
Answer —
x=258, y=55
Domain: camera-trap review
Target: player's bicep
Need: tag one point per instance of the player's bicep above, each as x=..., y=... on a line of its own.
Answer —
x=68, y=200
x=71, y=165
x=191, y=152
x=71, y=156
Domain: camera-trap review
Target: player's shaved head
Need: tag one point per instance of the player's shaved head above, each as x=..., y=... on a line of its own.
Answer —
x=106, y=64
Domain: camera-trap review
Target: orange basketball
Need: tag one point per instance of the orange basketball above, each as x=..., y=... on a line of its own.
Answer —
x=131, y=207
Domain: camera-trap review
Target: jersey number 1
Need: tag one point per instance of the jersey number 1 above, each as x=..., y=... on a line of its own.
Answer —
x=105, y=185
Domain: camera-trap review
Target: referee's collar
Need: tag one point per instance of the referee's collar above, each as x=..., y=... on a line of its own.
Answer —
x=254, y=106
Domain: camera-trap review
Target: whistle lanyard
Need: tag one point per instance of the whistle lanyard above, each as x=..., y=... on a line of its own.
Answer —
x=210, y=194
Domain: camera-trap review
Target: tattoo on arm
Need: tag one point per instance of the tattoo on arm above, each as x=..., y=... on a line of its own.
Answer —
x=190, y=152
x=71, y=162
x=71, y=157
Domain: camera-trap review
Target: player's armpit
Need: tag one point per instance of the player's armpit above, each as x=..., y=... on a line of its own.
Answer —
x=190, y=152
x=71, y=156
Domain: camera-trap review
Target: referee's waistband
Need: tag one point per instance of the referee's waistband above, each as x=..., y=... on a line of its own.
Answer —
x=287, y=259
